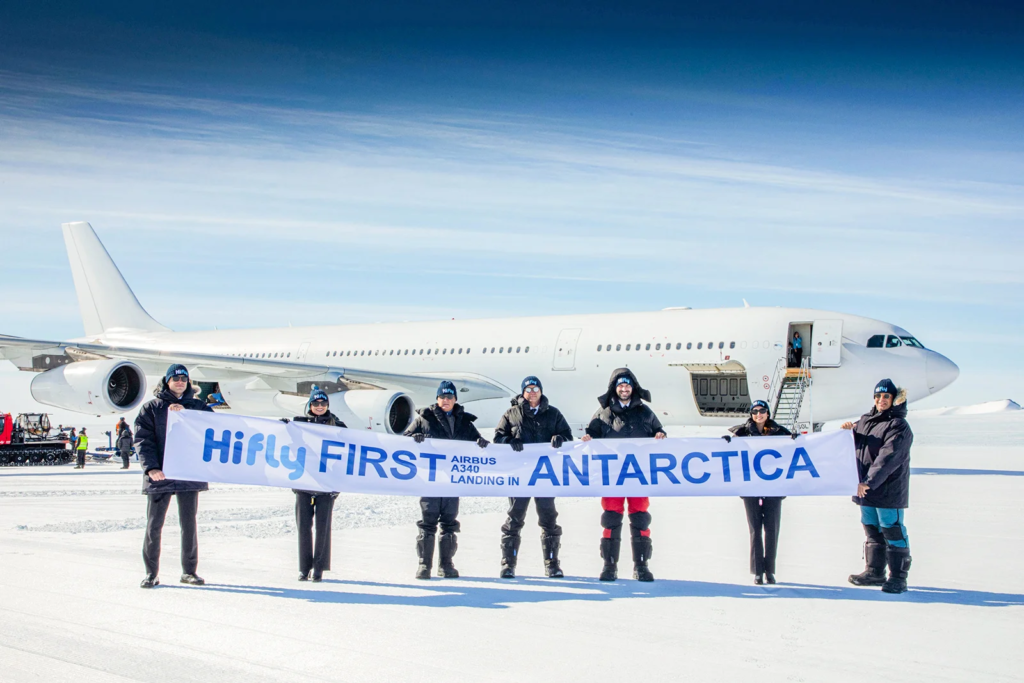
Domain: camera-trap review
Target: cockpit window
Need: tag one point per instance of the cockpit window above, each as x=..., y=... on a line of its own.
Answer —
x=876, y=342
x=892, y=342
x=910, y=341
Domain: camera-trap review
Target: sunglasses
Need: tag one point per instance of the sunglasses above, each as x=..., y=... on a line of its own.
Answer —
x=319, y=403
x=758, y=411
x=531, y=390
x=178, y=378
x=878, y=396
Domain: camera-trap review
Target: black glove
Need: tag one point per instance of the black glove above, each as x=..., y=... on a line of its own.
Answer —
x=483, y=443
x=285, y=420
x=516, y=444
x=728, y=439
x=557, y=441
x=795, y=434
x=418, y=438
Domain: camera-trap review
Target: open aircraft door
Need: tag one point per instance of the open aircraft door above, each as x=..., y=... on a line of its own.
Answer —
x=565, y=350
x=826, y=343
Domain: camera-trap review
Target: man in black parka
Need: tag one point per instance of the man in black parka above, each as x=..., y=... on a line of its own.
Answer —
x=315, y=508
x=883, y=438
x=445, y=420
x=124, y=443
x=173, y=393
x=623, y=415
x=531, y=419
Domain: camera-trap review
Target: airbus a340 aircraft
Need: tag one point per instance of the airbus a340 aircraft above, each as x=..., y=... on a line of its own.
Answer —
x=703, y=367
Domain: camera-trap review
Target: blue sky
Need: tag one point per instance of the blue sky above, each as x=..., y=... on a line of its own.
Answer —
x=342, y=163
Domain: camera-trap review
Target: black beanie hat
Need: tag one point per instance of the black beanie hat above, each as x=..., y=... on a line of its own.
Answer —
x=886, y=386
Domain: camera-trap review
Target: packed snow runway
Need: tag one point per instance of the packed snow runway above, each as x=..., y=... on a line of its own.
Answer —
x=71, y=608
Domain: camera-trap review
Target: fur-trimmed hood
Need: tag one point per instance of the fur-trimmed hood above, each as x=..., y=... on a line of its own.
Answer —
x=609, y=396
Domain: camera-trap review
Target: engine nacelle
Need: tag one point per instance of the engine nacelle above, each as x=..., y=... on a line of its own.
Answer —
x=387, y=411
x=94, y=386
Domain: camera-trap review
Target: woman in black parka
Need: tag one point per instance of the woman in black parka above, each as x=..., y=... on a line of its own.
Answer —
x=764, y=513
x=315, y=506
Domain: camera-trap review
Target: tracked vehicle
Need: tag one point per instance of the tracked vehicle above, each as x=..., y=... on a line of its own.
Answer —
x=27, y=440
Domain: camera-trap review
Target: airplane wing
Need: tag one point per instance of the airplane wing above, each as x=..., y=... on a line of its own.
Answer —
x=40, y=355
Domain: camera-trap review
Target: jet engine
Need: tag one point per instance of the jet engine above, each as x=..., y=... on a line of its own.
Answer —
x=94, y=386
x=374, y=409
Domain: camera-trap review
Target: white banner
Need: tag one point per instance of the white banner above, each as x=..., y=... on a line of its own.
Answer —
x=215, y=447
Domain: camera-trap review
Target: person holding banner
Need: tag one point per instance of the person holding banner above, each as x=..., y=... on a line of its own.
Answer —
x=445, y=420
x=623, y=415
x=883, y=438
x=764, y=514
x=174, y=392
x=310, y=506
x=531, y=419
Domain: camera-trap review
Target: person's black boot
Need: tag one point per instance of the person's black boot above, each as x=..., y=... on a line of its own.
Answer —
x=447, y=545
x=769, y=577
x=641, y=553
x=303, y=576
x=425, y=550
x=610, y=553
x=193, y=579
x=150, y=581
x=550, y=546
x=509, y=556
x=758, y=579
x=874, y=573
x=899, y=567
x=318, y=575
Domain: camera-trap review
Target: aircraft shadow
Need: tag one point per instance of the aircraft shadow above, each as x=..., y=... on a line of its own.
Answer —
x=500, y=594
x=962, y=472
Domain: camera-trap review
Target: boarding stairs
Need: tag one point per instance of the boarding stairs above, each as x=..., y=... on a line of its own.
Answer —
x=789, y=389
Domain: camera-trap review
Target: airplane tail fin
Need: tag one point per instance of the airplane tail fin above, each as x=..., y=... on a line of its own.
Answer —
x=104, y=298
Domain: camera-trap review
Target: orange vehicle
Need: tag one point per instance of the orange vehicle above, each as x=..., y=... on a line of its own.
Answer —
x=26, y=440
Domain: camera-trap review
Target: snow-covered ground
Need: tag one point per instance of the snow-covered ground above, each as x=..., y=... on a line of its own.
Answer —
x=71, y=609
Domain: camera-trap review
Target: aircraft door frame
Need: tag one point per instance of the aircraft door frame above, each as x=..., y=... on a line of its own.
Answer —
x=303, y=350
x=827, y=343
x=565, y=349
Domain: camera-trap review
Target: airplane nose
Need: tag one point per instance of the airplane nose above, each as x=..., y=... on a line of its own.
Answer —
x=940, y=371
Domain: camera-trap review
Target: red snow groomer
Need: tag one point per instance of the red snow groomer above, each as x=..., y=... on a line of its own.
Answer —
x=27, y=441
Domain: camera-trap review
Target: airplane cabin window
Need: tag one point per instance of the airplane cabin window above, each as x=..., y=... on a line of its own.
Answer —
x=598, y=347
x=892, y=342
x=637, y=347
x=689, y=345
x=721, y=345
x=517, y=349
x=526, y=349
x=732, y=345
x=648, y=348
x=289, y=354
x=627, y=346
x=618, y=347
x=501, y=349
x=328, y=353
x=467, y=350
x=700, y=345
x=657, y=347
x=492, y=349
x=911, y=341
x=453, y=351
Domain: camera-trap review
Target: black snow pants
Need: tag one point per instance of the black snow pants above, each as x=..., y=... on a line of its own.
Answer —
x=310, y=508
x=763, y=514
x=156, y=512
x=546, y=513
x=126, y=454
x=80, y=455
x=438, y=510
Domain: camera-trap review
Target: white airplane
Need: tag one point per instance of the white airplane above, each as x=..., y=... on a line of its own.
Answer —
x=703, y=367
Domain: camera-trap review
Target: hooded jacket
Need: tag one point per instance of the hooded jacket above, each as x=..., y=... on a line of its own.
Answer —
x=634, y=421
x=329, y=419
x=519, y=422
x=124, y=439
x=883, y=441
x=749, y=428
x=433, y=424
x=151, y=435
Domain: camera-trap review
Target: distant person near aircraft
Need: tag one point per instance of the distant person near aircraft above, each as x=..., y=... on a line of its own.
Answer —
x=798, y=350
x=883, y=438
x=531, y=419
x=172, y=394
x=623, y=415
x=315, y=506
x=125, y=439
x=445, y=420
x=81, y=447
x=764, y=513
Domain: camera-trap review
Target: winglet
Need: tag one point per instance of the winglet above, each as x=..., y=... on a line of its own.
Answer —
x=104, y=298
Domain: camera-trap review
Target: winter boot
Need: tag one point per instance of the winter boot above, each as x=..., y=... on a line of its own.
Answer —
x=550, y=546
x=509, y=556
x=610, y=553
x=318, y=575
x=150, y=581
x=425, y=550
x=899, y=566
x=193, y=579
x=874, y=573
x=447, y=545
x=641, y=553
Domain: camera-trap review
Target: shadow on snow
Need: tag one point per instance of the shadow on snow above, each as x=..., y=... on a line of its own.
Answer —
x=497, y=593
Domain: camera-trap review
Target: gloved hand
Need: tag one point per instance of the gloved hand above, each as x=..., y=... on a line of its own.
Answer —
x=557, y=441
x=482, y=442
x=516, y=444
x=728, y=439
x=285, y=420
x=795, y=434
x=418, y=438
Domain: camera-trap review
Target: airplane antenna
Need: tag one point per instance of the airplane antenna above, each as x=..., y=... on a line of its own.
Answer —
x=745, y=304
